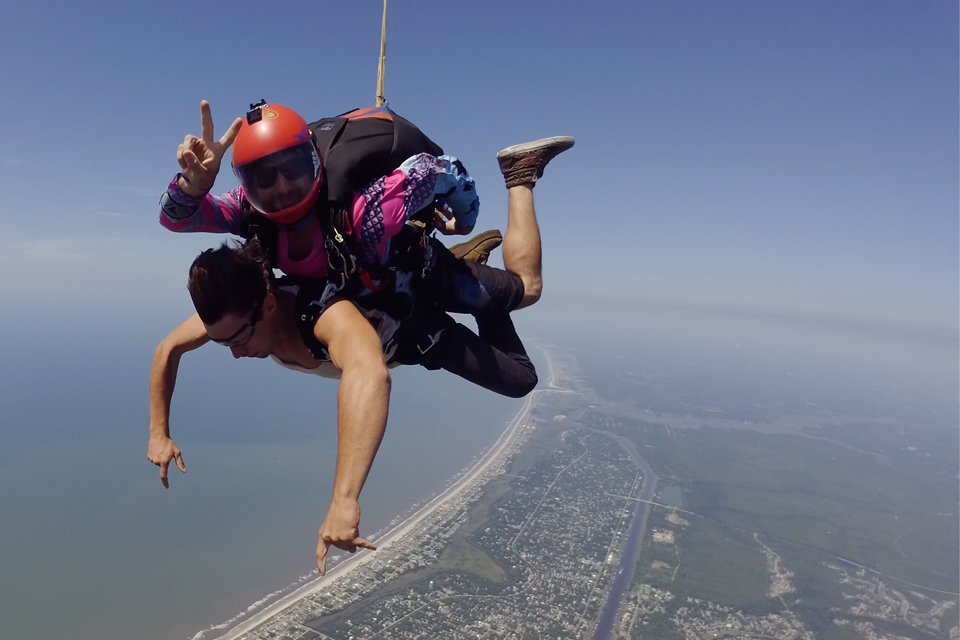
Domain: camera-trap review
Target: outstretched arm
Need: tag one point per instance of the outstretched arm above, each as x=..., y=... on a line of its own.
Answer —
x=163, y=377
x=362, y=403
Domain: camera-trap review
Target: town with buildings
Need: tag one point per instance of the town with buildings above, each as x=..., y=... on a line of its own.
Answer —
x=530, y=544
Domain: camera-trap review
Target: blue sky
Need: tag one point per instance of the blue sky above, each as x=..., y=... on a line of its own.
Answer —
x=752, y=180
x=789, y=157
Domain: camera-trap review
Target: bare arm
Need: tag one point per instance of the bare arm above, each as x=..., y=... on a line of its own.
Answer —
x=362, y=403
x=188, y=336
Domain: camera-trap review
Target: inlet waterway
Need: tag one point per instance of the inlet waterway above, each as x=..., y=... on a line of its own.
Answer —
x=631, y=551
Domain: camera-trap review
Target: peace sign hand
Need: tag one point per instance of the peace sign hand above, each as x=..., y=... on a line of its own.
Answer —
x=200, y=158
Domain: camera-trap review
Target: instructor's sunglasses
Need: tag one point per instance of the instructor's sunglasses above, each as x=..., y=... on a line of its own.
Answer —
x=293, y=168
x=243, y=335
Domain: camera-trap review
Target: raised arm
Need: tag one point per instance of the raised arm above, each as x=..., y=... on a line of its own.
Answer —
x=186, y=205
x=188, y=336
x=362, y=403
x=200, y=158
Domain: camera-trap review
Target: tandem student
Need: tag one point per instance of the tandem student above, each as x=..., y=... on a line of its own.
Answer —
x=306, y=326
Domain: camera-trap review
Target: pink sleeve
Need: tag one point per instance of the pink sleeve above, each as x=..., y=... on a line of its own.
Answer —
x=182, y=212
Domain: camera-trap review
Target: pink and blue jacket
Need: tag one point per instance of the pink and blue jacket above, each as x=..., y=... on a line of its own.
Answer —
x=378, y=212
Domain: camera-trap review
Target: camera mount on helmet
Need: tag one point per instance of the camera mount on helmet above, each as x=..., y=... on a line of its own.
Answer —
x=254, y=115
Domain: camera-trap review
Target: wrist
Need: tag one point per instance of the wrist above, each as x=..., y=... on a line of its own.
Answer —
x=344, y=498
x=159, y=430
x=188, y=187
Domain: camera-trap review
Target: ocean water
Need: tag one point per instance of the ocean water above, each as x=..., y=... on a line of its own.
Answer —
x=93, y=547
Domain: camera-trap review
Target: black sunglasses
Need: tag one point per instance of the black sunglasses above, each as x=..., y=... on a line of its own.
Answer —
x=250, y=325
x=292, y=169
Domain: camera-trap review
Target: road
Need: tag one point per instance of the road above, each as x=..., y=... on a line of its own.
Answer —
x=631, y=550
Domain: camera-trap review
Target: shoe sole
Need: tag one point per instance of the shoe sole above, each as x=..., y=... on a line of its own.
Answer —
x=564, y=142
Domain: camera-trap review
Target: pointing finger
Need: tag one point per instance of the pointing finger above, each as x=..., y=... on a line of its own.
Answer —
x=345, y=545
x=179, y=457
x=322, y=558
x=163, y=474
x=231, y=134
x=366, y=544
x=206, y=122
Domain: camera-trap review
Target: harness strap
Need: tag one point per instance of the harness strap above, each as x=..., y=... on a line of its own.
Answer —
x=341, y=261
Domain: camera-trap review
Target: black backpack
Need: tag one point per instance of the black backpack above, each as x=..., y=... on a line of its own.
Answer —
x=355, y=149
x=362, y=145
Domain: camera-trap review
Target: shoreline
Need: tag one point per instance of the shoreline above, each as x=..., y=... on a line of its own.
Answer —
x=358, y=560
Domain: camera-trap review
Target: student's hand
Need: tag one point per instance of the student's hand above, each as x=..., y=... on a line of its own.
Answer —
x=341, y=529
x=200, y=158
x=446, y=223
x=160, y=451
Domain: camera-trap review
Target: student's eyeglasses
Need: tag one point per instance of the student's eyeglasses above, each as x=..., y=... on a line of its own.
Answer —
x=243, y=335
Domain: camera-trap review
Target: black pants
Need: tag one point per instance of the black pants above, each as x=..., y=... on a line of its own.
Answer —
x=495, y=359
x=456, y=285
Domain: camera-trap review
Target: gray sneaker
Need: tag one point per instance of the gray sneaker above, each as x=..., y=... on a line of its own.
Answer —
x=524, y=163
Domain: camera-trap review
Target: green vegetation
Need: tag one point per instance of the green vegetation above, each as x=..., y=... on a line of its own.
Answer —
x=882, y=496
x=722, y=566
x=707, y=561
x=657, y=629
x=460, y=555
x=812, y=493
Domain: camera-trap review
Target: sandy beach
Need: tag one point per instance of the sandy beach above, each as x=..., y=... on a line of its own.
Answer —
x=391, y=536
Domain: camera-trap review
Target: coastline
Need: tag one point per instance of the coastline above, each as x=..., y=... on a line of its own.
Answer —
x=345, y=568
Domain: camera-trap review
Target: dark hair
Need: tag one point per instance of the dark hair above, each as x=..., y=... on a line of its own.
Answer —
x=229, y=279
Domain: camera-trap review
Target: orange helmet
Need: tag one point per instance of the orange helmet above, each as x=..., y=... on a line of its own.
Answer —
x=277, y=163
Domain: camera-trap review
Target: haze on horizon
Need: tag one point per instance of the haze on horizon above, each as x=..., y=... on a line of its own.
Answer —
x=754, y=184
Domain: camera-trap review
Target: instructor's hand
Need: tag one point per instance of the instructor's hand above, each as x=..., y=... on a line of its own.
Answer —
x=200, y=158
x=341, y=529
x=160, y=451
